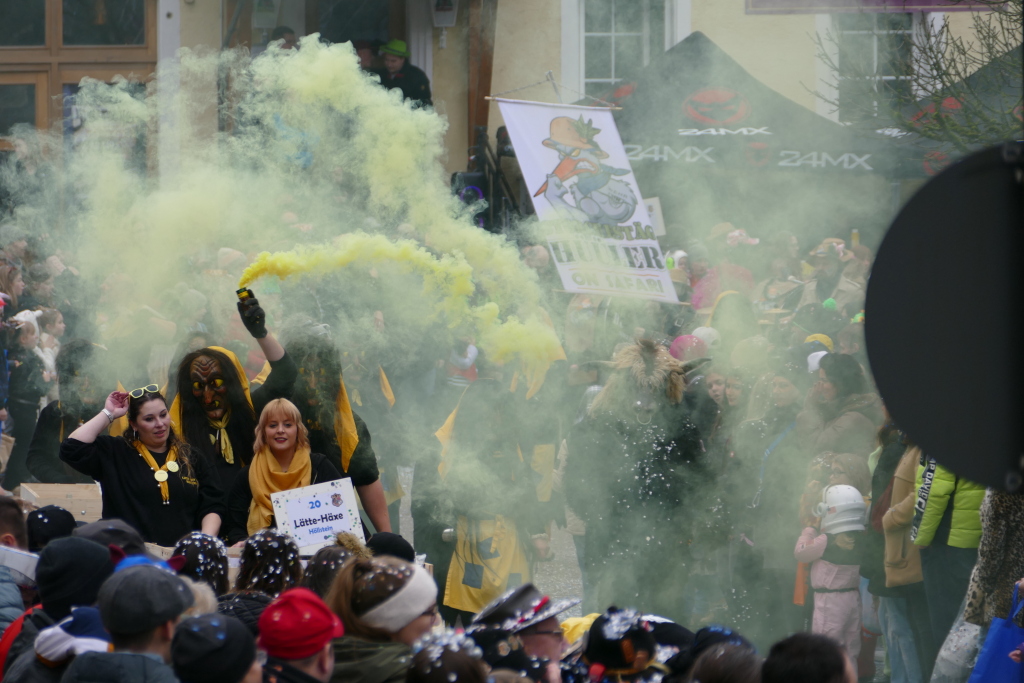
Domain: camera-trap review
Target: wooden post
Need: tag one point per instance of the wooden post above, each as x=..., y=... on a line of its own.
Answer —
x=483, y=16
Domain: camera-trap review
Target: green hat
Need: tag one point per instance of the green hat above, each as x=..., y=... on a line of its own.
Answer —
x=395, y=47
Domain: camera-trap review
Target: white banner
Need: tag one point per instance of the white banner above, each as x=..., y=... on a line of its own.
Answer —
x=314, y=515
x=574, y=164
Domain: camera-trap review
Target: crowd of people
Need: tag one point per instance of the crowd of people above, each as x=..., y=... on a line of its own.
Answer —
x=731, y=481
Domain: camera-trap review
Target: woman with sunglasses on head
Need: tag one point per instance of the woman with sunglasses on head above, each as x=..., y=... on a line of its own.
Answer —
x=149, y=478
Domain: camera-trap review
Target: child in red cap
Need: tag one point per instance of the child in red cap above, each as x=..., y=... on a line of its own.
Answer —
x=296, y=631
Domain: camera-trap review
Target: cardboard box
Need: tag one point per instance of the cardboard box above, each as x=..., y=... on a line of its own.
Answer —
x=81, y=500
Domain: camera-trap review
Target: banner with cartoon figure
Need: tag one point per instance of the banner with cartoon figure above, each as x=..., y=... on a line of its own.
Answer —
x=575, y=167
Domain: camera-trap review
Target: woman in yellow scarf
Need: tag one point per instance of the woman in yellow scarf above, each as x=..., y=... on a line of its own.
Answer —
x=281, y=462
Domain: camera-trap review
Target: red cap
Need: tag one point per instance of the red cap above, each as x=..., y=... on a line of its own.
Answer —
x=297, y=625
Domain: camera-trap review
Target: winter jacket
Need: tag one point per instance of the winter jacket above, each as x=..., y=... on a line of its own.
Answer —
x=938, y=489
x=56, y=647
x=30, y=628
x=1000, y=558
x=847, y=427
x=364, y=661
x=902, y=556
x=887, y=458
x=246, y=606
x=28, y=669
x=827, y=573
x=11, y=605
x=118, y=667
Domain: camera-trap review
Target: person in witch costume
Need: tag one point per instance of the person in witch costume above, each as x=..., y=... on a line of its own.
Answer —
x=214, y=411
x=334, y=429
x=501, y=523
x=148, y=477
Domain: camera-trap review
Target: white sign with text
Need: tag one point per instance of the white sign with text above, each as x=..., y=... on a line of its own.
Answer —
x=314, y=515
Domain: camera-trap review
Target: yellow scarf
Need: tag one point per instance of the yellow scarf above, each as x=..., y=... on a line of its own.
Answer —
x=172, y=457
x=221, y=426
x=267, y=477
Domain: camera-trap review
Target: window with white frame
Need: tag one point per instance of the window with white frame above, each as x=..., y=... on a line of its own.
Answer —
x=619, y=37
x=874, y=51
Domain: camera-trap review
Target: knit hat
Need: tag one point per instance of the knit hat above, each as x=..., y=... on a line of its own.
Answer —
x=139, y=599
x=46, y=524
x=123, y=560
x=709, y=336
x=688, y=347
x=297, y=625
x=385, y=543
x=69, y=573
x=212, y=648
x=390, y=593
x=206, y=558
x=443, y=656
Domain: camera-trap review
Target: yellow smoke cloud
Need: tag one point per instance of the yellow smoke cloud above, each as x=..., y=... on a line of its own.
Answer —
x=447, y=280
x=310, y=137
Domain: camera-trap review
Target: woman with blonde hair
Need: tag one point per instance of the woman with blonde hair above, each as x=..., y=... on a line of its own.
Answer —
x=281, y=461
x=12, y=284
x=386, y=604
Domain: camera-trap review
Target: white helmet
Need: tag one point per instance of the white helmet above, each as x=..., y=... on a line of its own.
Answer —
x=842, y=509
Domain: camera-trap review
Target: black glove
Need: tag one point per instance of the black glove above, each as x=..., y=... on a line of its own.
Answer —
x=253, y=317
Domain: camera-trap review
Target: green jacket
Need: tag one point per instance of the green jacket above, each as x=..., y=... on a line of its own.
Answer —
x=937, y=489
x=364, y=661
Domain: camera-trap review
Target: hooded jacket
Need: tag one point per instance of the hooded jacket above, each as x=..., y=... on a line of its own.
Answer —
x=849, y=426
x=902, y=557
x=365, y=661
x=939, y=490
x=118, y=667
x=11, y=604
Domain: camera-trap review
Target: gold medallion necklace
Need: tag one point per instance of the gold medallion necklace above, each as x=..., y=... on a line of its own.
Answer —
x=160, y=473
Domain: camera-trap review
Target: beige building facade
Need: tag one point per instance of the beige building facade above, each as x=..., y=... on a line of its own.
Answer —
x=537, y=44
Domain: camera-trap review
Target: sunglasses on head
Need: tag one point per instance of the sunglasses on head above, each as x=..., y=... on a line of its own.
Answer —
x=141, y=391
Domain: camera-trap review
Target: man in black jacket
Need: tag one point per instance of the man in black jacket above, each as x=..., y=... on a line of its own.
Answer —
x=399, y=73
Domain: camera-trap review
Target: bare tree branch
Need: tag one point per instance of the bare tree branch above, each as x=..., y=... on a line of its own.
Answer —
x=961, y=90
